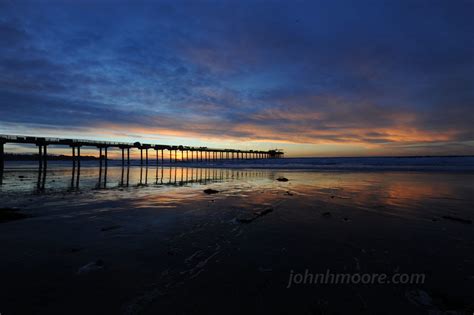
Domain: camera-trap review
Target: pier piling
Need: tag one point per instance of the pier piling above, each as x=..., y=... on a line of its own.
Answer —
x=73, y=149
x=105, y=157
x=40, y=156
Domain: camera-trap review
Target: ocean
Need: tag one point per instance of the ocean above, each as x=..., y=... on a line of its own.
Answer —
x=442, y=163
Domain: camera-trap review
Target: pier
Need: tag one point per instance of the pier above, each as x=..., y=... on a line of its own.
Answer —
x=188, y=153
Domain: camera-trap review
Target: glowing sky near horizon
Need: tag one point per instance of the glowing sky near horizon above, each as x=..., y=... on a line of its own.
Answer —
x=315, y=78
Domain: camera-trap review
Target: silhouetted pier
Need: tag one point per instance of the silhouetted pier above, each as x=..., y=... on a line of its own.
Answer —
x=188, y=153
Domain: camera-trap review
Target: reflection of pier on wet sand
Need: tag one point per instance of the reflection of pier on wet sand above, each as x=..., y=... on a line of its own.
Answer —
x=146, y=176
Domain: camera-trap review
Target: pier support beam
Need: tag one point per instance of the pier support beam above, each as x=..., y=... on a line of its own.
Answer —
x=42, y=155
x=45, y=153
x=73, y=148
x=105, y=156
x=100, y=156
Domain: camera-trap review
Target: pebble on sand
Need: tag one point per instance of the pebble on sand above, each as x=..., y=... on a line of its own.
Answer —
x=460, y=220
x=210, y=191
x=251, y=217
x=90, y=267
x=419, y=297
x=282, y=179
x=112, y=227
x=10, y=214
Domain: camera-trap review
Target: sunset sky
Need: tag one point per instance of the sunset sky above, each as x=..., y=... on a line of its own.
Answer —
x=316, y=78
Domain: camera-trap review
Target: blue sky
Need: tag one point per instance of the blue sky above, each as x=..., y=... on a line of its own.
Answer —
x=313, y=78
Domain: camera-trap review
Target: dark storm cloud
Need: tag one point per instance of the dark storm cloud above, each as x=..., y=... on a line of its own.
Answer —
x=332, y=71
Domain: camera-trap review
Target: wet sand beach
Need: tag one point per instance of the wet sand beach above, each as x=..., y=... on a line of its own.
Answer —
x=160, y=244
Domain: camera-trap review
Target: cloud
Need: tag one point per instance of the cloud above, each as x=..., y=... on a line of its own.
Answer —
x=368, y=74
